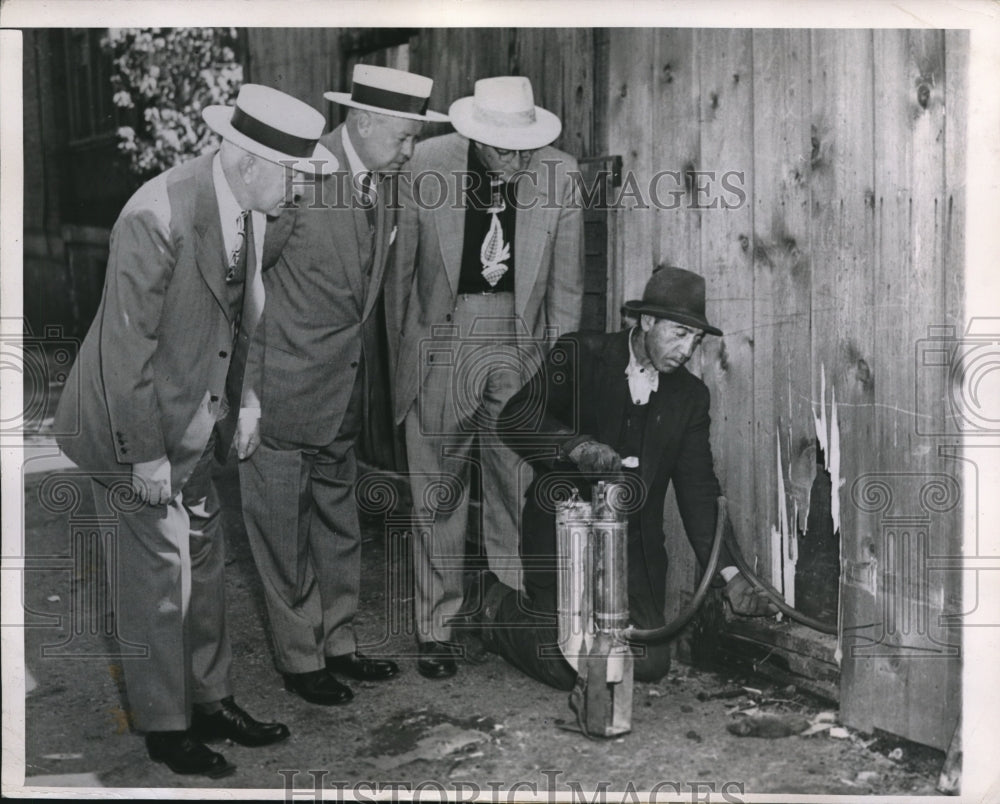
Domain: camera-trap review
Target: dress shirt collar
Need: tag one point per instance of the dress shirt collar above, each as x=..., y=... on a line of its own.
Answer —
x=230, y=211
x=642, y=381
x=357, y=166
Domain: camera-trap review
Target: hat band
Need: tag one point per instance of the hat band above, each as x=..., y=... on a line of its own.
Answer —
x=495, y=117
x=273, y=138
x=387, y=99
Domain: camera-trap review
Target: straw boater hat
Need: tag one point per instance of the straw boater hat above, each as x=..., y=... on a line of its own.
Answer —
x=388, y=91
x=501, y=112
x=275, y=126
x=677, y=295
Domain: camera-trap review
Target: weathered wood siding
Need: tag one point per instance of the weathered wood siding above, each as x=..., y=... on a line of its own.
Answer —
x=306, y=62
x=826, y=281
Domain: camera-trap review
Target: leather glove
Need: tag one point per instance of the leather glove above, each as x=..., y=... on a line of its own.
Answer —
x=593, y=457
x=746, y=600
x=151, y=481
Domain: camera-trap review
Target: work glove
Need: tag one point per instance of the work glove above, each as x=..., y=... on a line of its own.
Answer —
x=746, y=600
x=593, y=457
x=151, y=481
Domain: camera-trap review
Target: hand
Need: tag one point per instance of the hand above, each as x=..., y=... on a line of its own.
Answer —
x=746, y=599
x=593, y=457
x=247, y=437
x=151, y=481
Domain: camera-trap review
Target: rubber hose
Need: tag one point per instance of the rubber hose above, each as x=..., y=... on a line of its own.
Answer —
x=681, y=620
x=772, y=593
x=676, y=624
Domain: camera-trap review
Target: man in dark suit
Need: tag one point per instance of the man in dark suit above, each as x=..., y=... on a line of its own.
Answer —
x=298, y=484
x=496, y=261
x=608, y=403
x=160, y=384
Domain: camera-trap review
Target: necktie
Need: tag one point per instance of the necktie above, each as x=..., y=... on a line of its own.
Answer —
x=368, y=197
x=253, y=285
x=249, y=313
x=237, y=259
x=494, y=250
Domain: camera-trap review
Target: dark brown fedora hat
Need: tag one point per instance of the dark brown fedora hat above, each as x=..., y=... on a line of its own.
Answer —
x=675, y=294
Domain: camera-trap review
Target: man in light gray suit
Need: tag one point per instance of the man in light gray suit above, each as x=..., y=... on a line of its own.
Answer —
x=160, y=378
x=298, y=484
x=491, y=234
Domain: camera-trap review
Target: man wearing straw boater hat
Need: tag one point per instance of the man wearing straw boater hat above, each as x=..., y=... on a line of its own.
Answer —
x=159, y=385
x=613, y=402
x=299, y=470
x=497, y=270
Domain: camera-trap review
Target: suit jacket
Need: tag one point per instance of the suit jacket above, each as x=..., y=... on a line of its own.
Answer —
x=318, y=300
x=548, y=254
x=150, y=377
x=581, y=393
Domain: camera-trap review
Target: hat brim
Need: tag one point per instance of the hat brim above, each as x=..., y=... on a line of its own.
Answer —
x=321, y=163
x=344, y=99
x=636, y=307
x=542, y=132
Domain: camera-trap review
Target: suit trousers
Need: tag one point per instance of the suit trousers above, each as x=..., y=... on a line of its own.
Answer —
x=169, y=595
x=302, y=522
x=467, y=375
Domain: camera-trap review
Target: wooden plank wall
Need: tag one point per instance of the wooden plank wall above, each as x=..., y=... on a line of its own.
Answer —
x=306, y=62
x=826, y=282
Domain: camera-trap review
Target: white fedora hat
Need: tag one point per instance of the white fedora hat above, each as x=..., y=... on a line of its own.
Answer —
x=388, y=91
x=275, y=126
x=501, y=112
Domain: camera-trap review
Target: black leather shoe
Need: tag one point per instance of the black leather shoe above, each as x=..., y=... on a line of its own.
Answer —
x=362, y=668
x=437, y=660
x=318, y=687
x=233, y=723
x=184, y=755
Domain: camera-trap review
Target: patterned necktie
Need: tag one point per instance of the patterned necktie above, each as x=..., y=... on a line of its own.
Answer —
x=494, y=250
x=237, y=260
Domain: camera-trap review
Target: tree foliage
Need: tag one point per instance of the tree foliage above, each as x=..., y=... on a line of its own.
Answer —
x=167, y=76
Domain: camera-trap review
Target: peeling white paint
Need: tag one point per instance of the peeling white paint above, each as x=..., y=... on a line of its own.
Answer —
x=777, y=542
x=821, y=419
x=791, y=558
x=833, y=463
x=829, y=441
x=784, y=551
x=776, y=553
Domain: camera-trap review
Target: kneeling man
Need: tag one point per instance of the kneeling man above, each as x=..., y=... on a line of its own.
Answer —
x=604, y=403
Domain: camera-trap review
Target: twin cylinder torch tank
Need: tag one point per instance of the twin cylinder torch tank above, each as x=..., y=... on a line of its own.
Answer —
x=592, y=544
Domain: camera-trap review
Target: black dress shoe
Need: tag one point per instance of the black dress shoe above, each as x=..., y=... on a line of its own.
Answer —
x=233, y=723
x=437, y=660
x=182, y=754
x=362, y=668
x=318, y=687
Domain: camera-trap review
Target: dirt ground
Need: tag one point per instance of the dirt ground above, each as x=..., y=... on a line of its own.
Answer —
x=489, y=730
